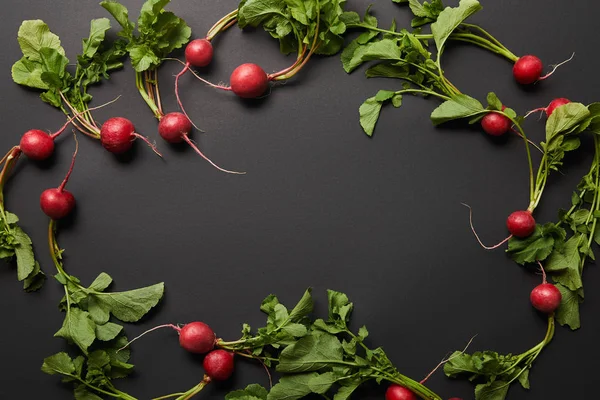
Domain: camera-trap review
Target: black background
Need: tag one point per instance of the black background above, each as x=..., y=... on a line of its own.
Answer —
x=322, y=205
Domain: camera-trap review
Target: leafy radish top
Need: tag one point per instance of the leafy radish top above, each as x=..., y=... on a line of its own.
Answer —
x=44, y=67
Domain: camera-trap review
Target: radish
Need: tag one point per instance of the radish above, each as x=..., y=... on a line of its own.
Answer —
x=175, y=128
x=117, y=135
x=397, y=392
x=249, y=81
x=57, y=203
x=528, y=69
x=554, y=104
x=495, y=124
x=218, y=365
x=195, y=337
x=545, y=297
x=520, y=224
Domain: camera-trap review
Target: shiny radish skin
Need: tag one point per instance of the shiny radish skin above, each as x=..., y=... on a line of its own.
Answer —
x=528, y=69
x=117, y=135
x=37, y=145
x=520, y=224
x=495, y=124
x=57, y=203
x=554, y=104
x=197, y=338
x=199, y=53
x=545, y=298
x=219, y=365
x=174, y=126
x=249, y=81
x=397, y=392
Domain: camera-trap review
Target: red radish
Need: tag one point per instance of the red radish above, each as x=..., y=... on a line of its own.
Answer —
x=39, y=145
x=545, y=298
x=57, y=203
x=554, y=104
x=397, y=392
x=495, y=124
x=218, y=365
x=528, y=69
x=198, y=53
x=520, y=224
x=249, y=81
x=175, y=128
x=197, y=337
x=117, y=135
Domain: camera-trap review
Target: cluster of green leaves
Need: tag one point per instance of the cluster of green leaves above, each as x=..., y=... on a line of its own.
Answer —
x=156, y=35
x=15, y=243
x=295, y=23
x=44, y=64
x=315, y=356
x=88, y=325
x=424, y=13
x=462, y=106
x=565, y=246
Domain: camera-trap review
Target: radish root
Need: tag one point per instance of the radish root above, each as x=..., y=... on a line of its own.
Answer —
x=477, y=236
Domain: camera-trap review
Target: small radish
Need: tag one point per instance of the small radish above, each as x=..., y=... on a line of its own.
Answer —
x=249, y=81
x=175, y=128
x=198, y=53
x=218, y=365
x=520, y=224
x=495, y=124
x=528, y=69
x=545, y=297
x=554, y=104
x=397, y=392
x=58, y=203
x=117, y=135
x=195, y=337
x=39, y=145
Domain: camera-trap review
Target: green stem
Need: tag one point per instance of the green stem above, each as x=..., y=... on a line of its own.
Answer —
x=139, y=82
x=529, y=161
x=222, y=25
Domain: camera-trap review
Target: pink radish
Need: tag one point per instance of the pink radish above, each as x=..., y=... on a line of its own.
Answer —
x=117, y=135
x=545, y=297
x=528, y=69
x=57, y=203
x=249, y=81
x=175, y=128
x=195, y=337
x=218, y=365
x=495, y=124
x=397, y=392
x=520, y=224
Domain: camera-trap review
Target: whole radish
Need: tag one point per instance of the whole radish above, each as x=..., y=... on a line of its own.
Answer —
x=495, y=124
x=545, y=298
x=218, y=365
x=520, y=224
x=249, y=81
x=39, y=145
x=118, y=134
x=57, y=203
x=195, y=337
x=554, y=104
x=175, y=128
x=528, y=69
x=397, y=392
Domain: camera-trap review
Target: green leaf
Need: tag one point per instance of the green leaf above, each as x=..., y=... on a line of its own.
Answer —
x=132, y=305
x=28, y=73
x=98, y=29
x=35, y=280
x=340, y=307
x=120, y=14
x=494, y=102
x=81, y=392
x=460, y=106
x=496, y=390
x=291, y=387
x=524, y=379
x=24, y=253
x=449, y=19
x=386, y=49
x=322, y=383
x=295, y=330
x=310, y=353
x=565, y=118
x=59, y=363
x=369, y=114
x=348, y=387
x=78, y=328
x=33, y=36
x=108, y=331
x=303, y=308
x=150, y=11
x=563, y=264
x=568, y=312
x=384, y=95
x=536, y=247
x=102, y=282
x=251, y=392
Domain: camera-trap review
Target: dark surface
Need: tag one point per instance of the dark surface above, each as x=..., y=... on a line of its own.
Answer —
x=321, y=205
